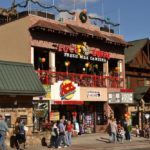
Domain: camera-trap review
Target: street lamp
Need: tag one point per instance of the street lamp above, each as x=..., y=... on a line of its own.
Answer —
x=86, y=66
x=67, y=63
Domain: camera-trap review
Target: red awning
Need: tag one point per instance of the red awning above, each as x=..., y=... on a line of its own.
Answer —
x=68, y=102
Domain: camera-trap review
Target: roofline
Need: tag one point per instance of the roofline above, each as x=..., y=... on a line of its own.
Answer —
x=138, y=40
x=22, y=93
x=15, y=63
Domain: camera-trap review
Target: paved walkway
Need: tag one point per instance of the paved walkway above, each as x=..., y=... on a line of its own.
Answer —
x=98, y=141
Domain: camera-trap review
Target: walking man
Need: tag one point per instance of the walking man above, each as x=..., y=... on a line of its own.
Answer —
x=3, y=130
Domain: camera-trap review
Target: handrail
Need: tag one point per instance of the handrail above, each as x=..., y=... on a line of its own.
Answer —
x=85, y=80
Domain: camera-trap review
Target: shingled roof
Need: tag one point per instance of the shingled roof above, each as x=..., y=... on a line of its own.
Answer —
x=135, y=47
x=77, y=30
x=52, y=26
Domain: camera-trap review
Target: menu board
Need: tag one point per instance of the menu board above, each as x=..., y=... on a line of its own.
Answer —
x=54, y=116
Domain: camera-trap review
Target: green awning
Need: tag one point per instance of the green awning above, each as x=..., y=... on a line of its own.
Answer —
x=19, y=79
x=140, y=92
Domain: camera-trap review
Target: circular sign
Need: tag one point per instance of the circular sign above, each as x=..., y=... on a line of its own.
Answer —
x=67, y=90
x=147, y=116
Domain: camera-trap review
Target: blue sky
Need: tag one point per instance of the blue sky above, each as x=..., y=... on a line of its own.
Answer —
x=133, y=15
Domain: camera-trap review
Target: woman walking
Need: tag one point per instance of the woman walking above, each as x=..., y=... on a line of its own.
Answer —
x=69, y=129
x=54, y=136
x=17, y=133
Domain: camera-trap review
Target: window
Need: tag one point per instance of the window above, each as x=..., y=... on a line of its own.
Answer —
x=8, y=121
x=24, y=119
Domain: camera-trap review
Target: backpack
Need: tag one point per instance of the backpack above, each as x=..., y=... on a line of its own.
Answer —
x=43, y=141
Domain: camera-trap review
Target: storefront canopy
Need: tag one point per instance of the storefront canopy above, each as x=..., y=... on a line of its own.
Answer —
x=140, y=92
x=19, y=79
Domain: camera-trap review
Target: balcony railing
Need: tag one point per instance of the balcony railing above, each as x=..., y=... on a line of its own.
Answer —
x=83, y=80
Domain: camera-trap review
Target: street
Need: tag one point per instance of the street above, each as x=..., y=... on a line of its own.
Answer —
x=99, y=142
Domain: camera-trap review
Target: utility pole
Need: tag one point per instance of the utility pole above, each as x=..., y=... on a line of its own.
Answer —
x=13, y=3
x=85, y=4
x=119, y=19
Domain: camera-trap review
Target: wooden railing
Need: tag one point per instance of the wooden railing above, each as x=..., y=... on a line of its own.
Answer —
x=83, y=80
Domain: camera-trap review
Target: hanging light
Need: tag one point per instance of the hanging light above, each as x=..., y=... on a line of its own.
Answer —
x=87, y=64
x=67, y=63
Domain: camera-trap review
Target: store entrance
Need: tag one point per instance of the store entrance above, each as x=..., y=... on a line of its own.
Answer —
x=83, y=115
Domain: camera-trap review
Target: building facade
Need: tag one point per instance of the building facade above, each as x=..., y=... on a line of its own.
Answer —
x=18, y=85
x=138, y=79
x=81, y=67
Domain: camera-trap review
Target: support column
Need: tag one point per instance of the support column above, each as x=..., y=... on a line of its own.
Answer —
x=106, y=72
x=52, y=61
x=121, y=67
x=52, y=66
x=32, y=56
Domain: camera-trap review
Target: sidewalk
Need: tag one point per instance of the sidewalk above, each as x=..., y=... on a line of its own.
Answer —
x=98, y=141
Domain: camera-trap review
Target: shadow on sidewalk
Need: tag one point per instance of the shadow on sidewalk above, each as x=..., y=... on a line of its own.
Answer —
x=103, y=140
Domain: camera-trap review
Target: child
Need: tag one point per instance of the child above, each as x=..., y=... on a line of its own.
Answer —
x=137, y=131
x=120, y=134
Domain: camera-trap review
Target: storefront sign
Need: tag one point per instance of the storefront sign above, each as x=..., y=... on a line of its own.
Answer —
x=123, y=97
x=93, y=94
x=48, y=91
x=126, y=97
x=40, y=113
x=83, y=52
x=65, y=90
x=8, y=110
x=54, y=116
x=114, y=97
x=85, y=57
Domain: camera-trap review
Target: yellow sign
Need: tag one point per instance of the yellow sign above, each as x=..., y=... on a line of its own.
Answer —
x=54, y=116
x=48, y=91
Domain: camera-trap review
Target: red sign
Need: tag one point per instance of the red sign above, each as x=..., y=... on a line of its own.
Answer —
x=74, y=49
x=67, y=89
x=126, y=90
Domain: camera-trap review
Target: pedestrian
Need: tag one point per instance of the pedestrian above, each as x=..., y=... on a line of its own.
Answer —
x=17, y=133
x=54, y=136
x=69, y=129
x=120, y=134
x=108, y=130
x=129, y=129
x=61, y=137
x=137, y=131
x=22, y=134
x=113, y=127
x=3, y=130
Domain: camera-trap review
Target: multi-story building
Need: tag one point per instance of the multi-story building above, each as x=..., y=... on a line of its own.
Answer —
x=137, y=58
x=81, y=67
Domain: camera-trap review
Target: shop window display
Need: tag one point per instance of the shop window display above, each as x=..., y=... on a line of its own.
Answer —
x=24, y=119
x=8, y=120
x=88, y=123
x=40, y=114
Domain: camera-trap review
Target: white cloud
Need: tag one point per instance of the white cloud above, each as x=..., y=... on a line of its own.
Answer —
x=94, y=15
x=63, y=15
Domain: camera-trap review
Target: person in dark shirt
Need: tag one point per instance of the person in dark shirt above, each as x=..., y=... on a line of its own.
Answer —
x=54, y=136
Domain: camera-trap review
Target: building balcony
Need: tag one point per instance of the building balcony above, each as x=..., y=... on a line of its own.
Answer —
x=83, y=80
